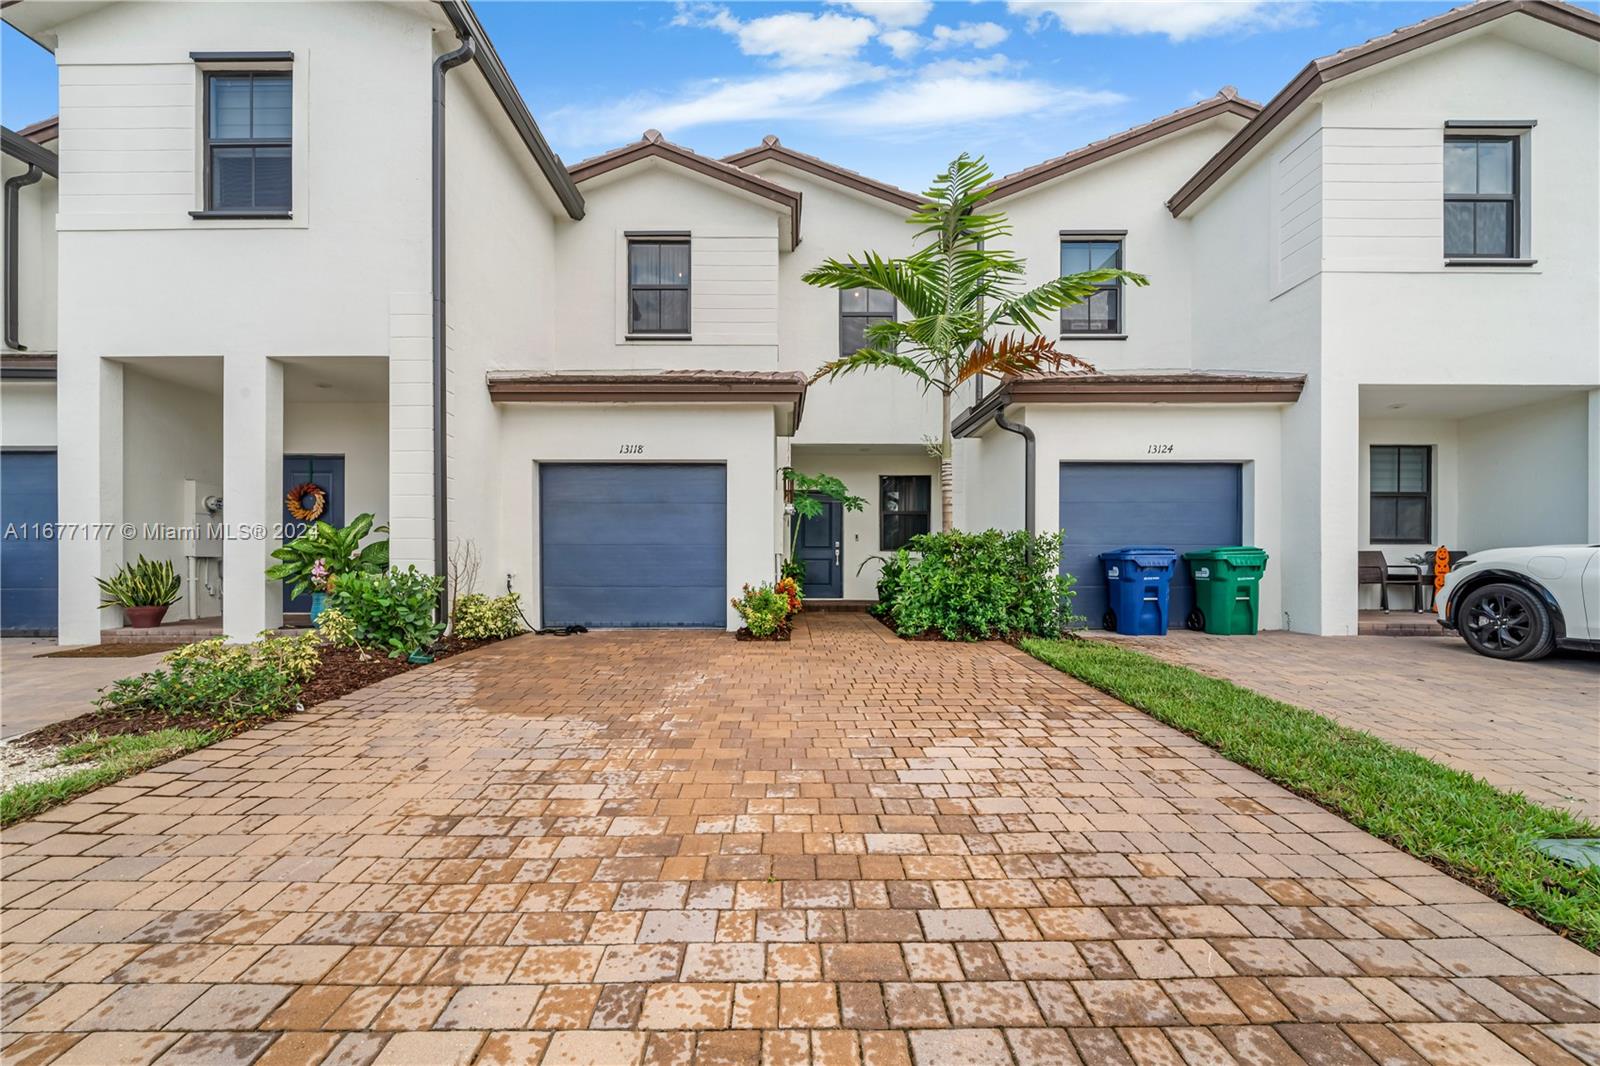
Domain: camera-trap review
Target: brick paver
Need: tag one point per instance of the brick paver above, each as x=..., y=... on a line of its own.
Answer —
x=1532, y=727
x=628, y=848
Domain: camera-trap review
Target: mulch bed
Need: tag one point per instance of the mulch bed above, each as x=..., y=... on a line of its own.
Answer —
x=743, y=633
x=113, y=651
x=341, y=672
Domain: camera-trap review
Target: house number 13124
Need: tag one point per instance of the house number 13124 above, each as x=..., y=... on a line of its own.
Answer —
x=1159, y=449
x=630, y=449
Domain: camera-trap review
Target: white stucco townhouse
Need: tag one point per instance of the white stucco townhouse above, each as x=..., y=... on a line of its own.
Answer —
x=1373, y=323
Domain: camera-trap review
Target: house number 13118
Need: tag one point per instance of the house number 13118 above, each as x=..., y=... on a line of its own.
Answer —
x=630, y=449
x=1159, y=449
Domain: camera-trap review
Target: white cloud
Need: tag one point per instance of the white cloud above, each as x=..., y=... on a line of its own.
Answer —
x=892, y=13
x=903, y=43
x=968, y=34
x=792, y=38
x=942, y=95
x=945, y=99
x=1178, y=20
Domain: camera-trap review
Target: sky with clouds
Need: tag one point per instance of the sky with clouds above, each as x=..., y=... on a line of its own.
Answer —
x=892, y=88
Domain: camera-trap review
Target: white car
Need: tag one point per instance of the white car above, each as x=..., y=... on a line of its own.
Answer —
x=1522, y=603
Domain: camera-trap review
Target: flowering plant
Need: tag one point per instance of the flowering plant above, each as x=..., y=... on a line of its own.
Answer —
x=790, y=588
x=320, y=578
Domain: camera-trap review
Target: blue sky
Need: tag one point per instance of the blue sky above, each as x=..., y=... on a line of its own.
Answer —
x=892, y=89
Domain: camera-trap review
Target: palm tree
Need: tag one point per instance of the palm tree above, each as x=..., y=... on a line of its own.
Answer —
x=969, y=316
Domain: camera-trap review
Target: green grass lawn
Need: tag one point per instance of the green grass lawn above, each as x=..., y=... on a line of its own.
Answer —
x=1447, y=817
x=106, y=760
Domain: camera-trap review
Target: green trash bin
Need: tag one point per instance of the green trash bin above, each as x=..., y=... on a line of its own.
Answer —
x=1227, y=589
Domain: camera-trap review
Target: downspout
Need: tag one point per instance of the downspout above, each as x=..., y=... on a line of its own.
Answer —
x=441, y=508
x=14, y=187
x=1028, y=488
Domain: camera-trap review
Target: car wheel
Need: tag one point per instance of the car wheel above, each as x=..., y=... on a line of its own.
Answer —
x=1506, y=622
x=1196, y=620
x=1109, y=621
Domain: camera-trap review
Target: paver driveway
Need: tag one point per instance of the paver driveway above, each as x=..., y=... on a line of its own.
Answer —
x=1532, y=727
x=677, y=848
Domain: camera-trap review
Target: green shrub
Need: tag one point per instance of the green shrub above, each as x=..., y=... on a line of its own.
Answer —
x=888, y=586
x=335, y=627
x=297, y=656
x=477, y=617
x=976, y=586
x=146, y=583
x=338, y=550
x=764, y=609
x=392, y=610
x=232, y=686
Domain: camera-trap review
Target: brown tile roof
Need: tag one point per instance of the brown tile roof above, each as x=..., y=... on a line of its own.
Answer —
x=1137, y=386
x=1347, y=61
x=783, y=388
x=774, y=149
x=37, y=366
x=43, y=131
x=1226, y=102
x=654, y=146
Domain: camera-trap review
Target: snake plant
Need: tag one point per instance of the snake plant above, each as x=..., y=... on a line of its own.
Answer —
x=146, y=583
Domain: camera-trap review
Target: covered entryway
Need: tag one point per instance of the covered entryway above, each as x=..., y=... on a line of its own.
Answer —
x=1183, y=506
x=633, y=544
x=28, y=567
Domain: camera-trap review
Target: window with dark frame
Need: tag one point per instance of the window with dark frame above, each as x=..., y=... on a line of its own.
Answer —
x=1481, y=197
x=1401, y=493
x=658, y=286
x=1101, y=312
x=249, y=123
x=859, y=309
x=904, y=505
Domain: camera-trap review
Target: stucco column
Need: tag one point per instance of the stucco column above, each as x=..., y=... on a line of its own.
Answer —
x=411, y=430
x=1594, y=466
x=252, y=489
x=89, y=481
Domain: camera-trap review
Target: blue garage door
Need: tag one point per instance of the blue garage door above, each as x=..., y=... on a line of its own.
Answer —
x=27, y=556
x=635, y=544
x=1114, y=505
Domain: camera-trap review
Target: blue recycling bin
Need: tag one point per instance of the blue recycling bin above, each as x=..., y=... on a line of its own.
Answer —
x=1138, y=584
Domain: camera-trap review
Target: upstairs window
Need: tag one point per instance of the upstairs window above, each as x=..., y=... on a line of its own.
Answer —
x=904, y=504
x=1401, y=486
x=860, y=308
x=1481, y=197
x=247, y=144
x=658, y=286
x=1101, y=313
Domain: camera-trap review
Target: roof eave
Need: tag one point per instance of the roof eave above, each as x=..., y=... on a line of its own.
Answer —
x=822, y=169
x=20, y=148
x=1116, y=145
x=1321, y=72
x=787, y=200
x=465, y=22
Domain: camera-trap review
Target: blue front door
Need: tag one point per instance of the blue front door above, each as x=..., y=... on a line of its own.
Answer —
x=820, y=548
x=28, y=564
x=327, y=473
x=1105, y=506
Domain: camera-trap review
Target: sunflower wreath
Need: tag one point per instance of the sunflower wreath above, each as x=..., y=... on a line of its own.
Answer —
x=295, y=502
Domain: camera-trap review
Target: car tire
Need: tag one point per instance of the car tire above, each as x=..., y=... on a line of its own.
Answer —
x=1505, y=621
x=1109, y=621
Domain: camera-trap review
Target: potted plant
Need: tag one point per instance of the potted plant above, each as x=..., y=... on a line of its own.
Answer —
x=317, y=558
x=144, y=590
x=321, y=581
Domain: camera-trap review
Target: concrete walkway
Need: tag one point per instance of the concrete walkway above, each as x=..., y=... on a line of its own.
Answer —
x=1532, y=727
x=661, y=847
x=36, y=691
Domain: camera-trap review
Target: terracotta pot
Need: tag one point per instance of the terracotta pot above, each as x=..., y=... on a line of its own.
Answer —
x=144, y=617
